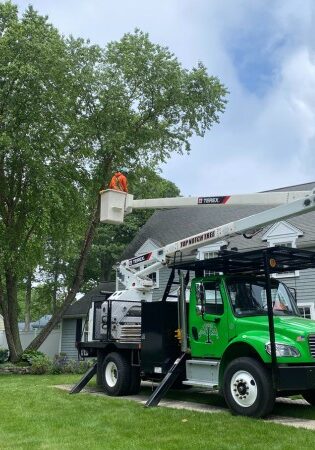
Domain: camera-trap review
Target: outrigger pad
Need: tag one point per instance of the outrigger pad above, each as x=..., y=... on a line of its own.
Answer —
x=84, y=380
x=167, y=381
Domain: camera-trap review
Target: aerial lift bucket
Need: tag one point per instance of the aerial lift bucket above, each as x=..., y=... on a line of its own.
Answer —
x=114, y=206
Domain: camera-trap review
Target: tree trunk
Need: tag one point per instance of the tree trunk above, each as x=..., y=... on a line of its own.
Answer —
x=10, y=317
x=77, y=281
x=28, y=297
x=7, y=328
x=106, y=268
x=55, y=287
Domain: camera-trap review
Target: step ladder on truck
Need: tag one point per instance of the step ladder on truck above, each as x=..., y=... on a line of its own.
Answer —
x=237, y=331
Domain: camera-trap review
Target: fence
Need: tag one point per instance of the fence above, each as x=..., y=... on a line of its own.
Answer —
x=50, y=347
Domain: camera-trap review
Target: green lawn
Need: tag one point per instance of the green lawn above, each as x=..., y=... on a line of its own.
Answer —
x=34, y=415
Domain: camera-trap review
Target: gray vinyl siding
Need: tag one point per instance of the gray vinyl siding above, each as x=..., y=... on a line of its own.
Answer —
x=304, y=284
x=164, y=274
x=68, y=338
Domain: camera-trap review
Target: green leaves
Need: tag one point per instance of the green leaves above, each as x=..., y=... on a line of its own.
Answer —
x=70, y=114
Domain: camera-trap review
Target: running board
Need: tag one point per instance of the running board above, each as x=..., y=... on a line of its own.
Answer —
x=84, y=380
x=203, y=384
x=167, y=381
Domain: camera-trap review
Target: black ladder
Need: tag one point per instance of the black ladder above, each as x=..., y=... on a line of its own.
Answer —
x=171, y=282
x=168, y=381
x=84, y=380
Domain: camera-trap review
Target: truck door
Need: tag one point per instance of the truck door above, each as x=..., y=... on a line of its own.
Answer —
x=208, y=328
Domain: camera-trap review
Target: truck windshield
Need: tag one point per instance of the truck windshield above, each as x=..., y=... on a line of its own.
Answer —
x=248, y=298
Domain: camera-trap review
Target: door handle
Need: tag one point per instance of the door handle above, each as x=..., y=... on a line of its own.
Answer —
x=195, y=333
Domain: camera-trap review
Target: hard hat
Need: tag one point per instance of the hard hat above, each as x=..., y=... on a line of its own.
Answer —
x=123, y=169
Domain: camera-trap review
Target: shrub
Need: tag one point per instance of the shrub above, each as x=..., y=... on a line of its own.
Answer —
x=41, y=364
x=59, y=363
x=31, y=354
x=74, y=366
x=62, y=364
x=4, y=355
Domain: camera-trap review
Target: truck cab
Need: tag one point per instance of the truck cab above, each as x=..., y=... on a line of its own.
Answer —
x=247, y=338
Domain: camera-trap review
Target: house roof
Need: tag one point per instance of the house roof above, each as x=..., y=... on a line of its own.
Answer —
x=40, y=323
x=81, y=307
x=166, y=226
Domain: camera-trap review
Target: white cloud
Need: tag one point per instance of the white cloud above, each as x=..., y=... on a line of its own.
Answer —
x=263, y=51
x=264, y=141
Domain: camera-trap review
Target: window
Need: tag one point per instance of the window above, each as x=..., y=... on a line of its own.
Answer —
x=283, y=234
x=210, y=251
x=154, y=276
x=213, y=298
x=294, y=273
x=209, y=255
x=307, y=310
x=249, y=298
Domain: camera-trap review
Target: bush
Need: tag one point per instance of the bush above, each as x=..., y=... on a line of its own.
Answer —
x=32, y=354
x=75, y=366
x=4, y=355
x=41, y=365
x=62, y=364
x=59, y=363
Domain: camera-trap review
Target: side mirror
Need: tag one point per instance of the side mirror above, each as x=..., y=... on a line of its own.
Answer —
x=201, y=297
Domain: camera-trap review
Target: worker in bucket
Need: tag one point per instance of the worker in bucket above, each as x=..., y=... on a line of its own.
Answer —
x=119, y=181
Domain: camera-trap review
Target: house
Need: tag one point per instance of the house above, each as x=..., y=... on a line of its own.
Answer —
x=166, y=226
x=1, y=324
x=40, y=323
x=74, y=325
x=51, y=344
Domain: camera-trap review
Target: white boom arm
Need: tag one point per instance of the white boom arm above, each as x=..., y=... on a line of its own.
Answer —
x=295, y=203
x=115, y=204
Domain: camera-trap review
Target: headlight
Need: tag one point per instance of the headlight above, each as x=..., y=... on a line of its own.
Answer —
x=283, y=350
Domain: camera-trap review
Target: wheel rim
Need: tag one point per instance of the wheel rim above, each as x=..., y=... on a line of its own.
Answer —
x=111, y=374
x=244, y=388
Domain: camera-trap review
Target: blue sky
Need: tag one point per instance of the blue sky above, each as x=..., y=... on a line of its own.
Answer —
x=262, y=50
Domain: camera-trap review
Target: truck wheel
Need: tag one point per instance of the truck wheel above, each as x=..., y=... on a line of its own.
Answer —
x=247, y=388
x=116, y=374
x=135, y=381
x=309, y=396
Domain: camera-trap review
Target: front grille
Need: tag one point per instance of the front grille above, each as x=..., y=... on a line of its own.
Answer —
x=311, y=340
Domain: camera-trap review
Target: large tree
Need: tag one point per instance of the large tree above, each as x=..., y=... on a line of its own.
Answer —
x=70, y=114
x=39, y=172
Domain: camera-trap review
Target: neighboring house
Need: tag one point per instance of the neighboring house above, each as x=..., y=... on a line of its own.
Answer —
x=1, y=323
x=166, y=226
x=2, y=333
x=50, y=346
x=40, y=323
x=75, y=320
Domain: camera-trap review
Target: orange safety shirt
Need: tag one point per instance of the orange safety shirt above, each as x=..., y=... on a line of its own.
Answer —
x=119, y=182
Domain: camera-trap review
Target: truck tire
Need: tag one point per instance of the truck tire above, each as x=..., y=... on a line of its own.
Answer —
x=309, y=396
x=116, y=374
x=247, y=388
